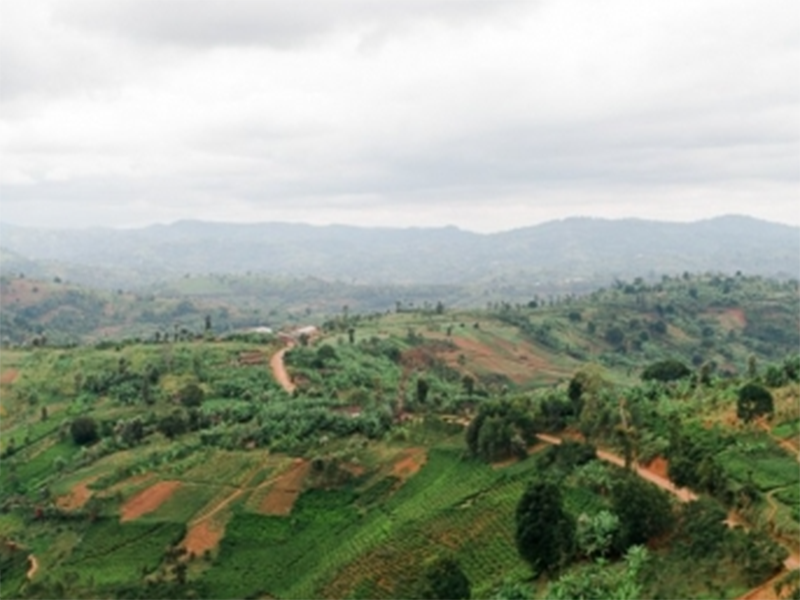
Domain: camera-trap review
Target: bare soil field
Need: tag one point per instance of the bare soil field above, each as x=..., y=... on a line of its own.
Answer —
x=203, y=535
x=148, y=500
x=286, y=489
x=409, y=463
x=518, y=361
x=9, y=376
x=77, y=496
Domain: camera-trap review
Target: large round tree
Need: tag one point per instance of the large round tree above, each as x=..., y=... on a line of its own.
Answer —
x=545, y=533
x=754, y=400
x=84, y=431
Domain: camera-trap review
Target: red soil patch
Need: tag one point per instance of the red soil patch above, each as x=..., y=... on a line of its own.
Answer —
x=659, y=466
x=148, y=500
x=77, y=497
x=286, y=489
x=203, y=536
x=732, y=318
x=354, y=469
x=501, y=464
x=517, y=361
x=9, y=376
x=409, y=463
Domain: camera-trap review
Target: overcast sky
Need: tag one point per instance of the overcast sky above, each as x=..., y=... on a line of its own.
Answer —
x=488, y=114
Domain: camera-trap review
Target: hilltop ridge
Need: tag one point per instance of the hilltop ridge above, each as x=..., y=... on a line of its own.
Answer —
x=580, y=247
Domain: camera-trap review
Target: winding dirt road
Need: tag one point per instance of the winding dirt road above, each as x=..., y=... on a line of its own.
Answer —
x=33, y=568
x=764, y=591
x=279, y=369
x=682, y=494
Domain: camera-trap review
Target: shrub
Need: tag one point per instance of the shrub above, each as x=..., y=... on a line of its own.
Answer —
x=754, y=400
x=666, y=370
x=84, y=431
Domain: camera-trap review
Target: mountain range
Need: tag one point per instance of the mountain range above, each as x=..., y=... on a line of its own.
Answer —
x=572, y=249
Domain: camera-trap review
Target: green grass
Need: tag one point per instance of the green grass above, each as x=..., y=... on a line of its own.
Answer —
x=451, y=505
x=787, y=429
x=115, y=553
x=34, y=471
x=790, y=496
x=767, y=472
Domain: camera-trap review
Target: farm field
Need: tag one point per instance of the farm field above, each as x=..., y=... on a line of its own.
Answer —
x=183, y=468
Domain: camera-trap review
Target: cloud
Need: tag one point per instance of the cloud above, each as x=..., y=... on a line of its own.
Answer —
x=273, y=23
x=120, y=112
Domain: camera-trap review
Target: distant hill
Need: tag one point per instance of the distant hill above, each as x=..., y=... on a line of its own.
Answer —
x=573, y=249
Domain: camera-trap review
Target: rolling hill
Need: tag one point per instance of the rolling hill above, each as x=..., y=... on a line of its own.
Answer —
x=575, y=250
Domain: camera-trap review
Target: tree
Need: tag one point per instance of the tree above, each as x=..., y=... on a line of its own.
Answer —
x=173, y=424
x=499, y=430
x=84, y=431
x=422, y=390
x=615, y=336
x=132, y=432
x=595, y=534
x=644, y=510
x=469, y=384
x=191, y=395
x=598, y=582
x=754, y=400
x=666, y=370
x=444, y=579
x=702, y=528
x=545, y=533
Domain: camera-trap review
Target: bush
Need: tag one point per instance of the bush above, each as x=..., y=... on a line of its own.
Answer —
x=754, y=400
x=191, y=395
x=666, y=370
x=84, y=431
x=545, y=534
x=444, y=579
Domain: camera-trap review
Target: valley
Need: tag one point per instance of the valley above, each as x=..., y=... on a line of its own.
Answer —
x=352, y=461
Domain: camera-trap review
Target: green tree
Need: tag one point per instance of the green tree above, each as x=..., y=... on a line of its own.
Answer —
x=191, y=395
x=469, y=385
x=499, y=430
x=598, y=582
x=644, y=510
x=702, y=528
x=422, y=390
x=666, y=370
x=545, y=532
x=173, y=424
x=754, y=400
x=443, y=579
x=84, y=431
x=594, y=534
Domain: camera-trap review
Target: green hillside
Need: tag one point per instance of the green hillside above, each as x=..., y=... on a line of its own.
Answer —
x=182, y=468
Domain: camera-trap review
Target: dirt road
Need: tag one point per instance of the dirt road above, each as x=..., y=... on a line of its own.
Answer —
x=279, y=369
x=34, y=566
x=681, y=494
x=764, y=591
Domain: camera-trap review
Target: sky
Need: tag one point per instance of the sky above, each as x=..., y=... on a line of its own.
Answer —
x=487, y=115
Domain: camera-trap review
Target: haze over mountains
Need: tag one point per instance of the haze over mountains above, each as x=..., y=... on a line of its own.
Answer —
x=571, y=249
